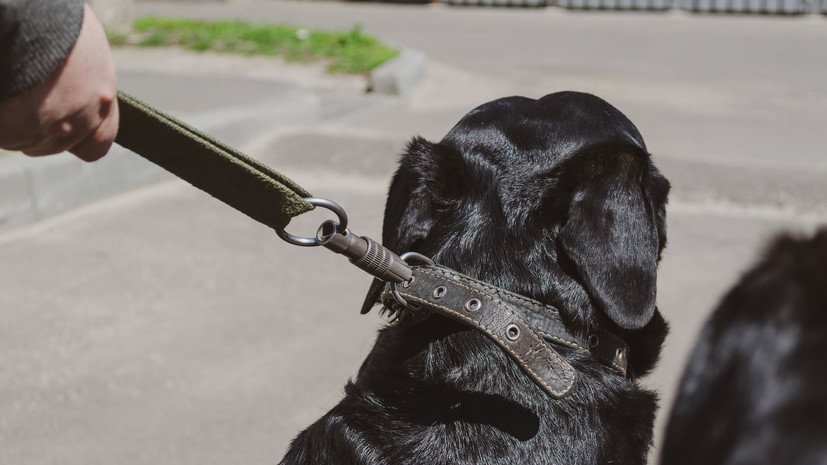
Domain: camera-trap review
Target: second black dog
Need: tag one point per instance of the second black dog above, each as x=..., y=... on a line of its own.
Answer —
x=754, y=389
x=555, y=199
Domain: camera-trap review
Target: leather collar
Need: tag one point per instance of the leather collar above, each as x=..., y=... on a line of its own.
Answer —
x=525, y=329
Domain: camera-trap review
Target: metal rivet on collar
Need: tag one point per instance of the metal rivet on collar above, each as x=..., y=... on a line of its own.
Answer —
x=407, y=284
x=440, y=292
x=620, y=354
x=512, y=332
x=473, y=305
x=594, y=341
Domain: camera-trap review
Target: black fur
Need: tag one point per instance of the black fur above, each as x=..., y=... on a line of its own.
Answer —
x=555, y=199
x=755, y=388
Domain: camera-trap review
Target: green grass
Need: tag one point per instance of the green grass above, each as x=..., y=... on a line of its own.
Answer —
x=346, y=52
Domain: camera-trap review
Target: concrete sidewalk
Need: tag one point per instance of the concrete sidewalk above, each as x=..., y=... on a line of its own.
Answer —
x=160, y=326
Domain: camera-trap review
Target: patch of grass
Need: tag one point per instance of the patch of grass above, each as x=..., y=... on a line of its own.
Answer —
x=347, y=52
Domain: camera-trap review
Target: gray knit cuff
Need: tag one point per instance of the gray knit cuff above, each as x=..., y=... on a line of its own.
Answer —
x=35, y=38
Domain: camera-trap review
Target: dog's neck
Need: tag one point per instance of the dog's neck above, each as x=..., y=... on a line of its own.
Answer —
x=535, y=272
x=526, y=330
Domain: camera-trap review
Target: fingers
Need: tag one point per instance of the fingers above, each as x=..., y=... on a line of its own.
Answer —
x=97, y=144
x=61, y=135
x=87, y=134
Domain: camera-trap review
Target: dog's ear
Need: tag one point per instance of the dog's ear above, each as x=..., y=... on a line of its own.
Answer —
x=408, y=216
x=611, y=237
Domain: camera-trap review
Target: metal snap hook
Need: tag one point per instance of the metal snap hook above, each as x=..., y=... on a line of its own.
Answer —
x=315, y=241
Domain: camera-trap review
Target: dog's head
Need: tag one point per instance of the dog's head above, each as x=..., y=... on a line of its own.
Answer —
x=555, y=199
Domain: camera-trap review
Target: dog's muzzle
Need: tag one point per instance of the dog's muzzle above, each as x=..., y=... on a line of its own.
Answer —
x=524, y=328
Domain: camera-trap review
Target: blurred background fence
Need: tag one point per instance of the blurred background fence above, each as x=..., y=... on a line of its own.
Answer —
x=775, y=7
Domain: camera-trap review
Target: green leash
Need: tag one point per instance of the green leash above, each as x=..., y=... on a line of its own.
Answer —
x=241, y=182
x=245, y=184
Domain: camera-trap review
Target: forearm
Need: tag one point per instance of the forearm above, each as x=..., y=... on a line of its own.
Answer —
x=35, y=38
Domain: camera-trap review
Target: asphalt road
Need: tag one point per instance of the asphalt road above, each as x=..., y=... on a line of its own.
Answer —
x=160, y=326
x=739, y=89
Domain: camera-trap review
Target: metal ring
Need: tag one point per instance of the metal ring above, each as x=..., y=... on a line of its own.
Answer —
x=472, y=305
x=594, y=341
x=314, y=241
x=439, y=292
x=418, y=256
x=399, y=299
x=512, y=332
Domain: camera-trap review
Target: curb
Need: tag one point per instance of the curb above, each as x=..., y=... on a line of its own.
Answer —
x=34, y=188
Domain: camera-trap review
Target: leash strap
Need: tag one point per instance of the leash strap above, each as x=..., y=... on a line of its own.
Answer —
x=521, y=327
x=241, y=182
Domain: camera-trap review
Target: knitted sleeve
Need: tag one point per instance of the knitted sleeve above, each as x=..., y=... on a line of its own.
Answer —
x=35, y=38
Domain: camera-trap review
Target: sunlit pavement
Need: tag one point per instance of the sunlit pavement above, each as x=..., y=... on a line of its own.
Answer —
x=160, y=326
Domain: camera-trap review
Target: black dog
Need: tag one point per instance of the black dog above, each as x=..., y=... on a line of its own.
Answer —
x=555, y=199
x=754, y=389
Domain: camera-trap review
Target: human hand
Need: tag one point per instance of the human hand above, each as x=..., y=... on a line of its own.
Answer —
x=75, y=109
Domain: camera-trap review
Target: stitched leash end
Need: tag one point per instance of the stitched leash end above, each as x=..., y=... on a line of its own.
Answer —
x=210, y=165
